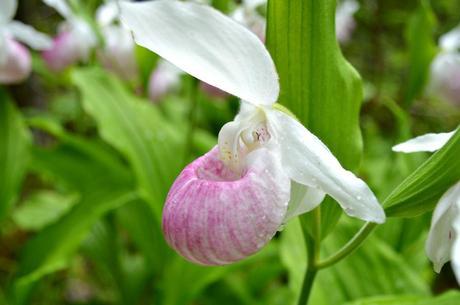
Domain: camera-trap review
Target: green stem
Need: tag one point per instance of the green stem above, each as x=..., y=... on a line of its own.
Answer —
x=312, y=242
x=349, y=247
x=193, y=96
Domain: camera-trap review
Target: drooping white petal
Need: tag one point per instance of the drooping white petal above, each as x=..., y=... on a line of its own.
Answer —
x=450, y=41
x=61, y=7
x=303, y=199
x=428, y=142
x=456, y=246
x=442, y=235
x=309, y=162
x=28, y=35
x=206, y=44
x=7, y=10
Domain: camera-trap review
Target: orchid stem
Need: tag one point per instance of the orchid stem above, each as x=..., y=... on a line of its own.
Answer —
x=312, y=242
x=349, y=247
x=193, y=97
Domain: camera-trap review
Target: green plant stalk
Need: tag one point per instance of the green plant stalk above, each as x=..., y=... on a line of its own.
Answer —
x=349, y=247
x=193, y=97
x=313, y=243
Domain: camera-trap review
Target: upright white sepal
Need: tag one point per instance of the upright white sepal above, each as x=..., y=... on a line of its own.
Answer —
x=309, y=162
x=444, y=230
x=429, y=142
x=206, y=44
x=7, y=11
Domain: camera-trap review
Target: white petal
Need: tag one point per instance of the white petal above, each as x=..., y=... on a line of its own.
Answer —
x=107, y=13
x=442, y=234
x=308, y=161
x=7, y=11
x=450, y=41
x=206, y=44
x=253, y=4
x=456, y=246
x=28, y=35
x=303, y=199
x=61, y=7
x=428, y=142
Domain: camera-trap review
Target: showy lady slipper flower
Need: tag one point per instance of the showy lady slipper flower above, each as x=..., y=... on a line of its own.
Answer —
x=229, y=203
x=15, y=62
x=445, y=69
x=443, y=243
x=74, y=41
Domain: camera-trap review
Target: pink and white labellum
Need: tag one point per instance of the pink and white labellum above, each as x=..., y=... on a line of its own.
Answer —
x=74, y=41
x=443, y=242
x=15, y=61
x=214, y=216
x=229, y=203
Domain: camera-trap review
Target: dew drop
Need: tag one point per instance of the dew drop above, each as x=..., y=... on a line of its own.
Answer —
x=358, y=197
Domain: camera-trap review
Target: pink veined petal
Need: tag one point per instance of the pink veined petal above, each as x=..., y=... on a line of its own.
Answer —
x=213, y=216
x=17, y=64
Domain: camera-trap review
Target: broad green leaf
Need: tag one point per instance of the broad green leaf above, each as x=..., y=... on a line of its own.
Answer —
x=317, y=83
x=448, y=298
x=14, y=152
x=137, y=129
x=374, y=269
x=419, y=192
x=146, y=61
x=140, y=223
x=102, y=183
x=422, y=49
x=42, y=208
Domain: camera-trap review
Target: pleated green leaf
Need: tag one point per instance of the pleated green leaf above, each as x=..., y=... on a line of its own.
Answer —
x=374, y=269
x=419, y=192
x=317, y=83
x=422, y=49
x=153, y=147
x=102, y=183
x=14, y=152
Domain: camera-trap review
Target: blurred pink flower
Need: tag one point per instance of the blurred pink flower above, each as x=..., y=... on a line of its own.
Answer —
x=74, y=41
x=117, y=55
x=164, y=79
x=344, y=20
x=445, y=69
x=16, y=65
